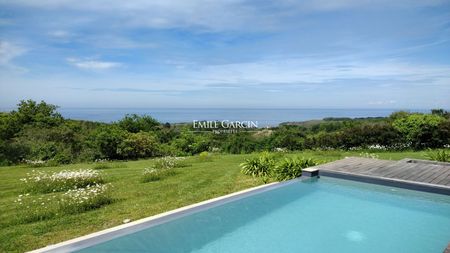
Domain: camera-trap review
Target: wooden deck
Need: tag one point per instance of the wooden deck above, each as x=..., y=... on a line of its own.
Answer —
x=406, y=171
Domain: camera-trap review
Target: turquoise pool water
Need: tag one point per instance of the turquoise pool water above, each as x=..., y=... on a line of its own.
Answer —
x=325, y=215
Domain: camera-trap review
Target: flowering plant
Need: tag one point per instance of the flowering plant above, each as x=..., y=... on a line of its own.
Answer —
x=38, y=181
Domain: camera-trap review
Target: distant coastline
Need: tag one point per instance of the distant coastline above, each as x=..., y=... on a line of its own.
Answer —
x=264, y=117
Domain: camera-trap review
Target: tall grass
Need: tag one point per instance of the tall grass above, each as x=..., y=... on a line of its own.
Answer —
x=85, y=199
x=44, y=182
x=267, y=166
x=439, y=155
x=290, y=168
x=32, y=208
x=163, y=167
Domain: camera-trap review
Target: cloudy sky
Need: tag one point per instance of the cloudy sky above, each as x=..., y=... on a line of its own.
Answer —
x=209, y=53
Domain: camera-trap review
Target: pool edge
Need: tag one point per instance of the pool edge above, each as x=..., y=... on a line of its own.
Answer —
x=88, y=240
x=392, y=182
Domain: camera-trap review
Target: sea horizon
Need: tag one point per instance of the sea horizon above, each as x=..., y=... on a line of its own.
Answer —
x=264, y=116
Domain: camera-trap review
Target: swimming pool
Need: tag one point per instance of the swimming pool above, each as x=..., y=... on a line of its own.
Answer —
x=317, y=215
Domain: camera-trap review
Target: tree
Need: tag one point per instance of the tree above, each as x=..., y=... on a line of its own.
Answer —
x=421, y=130
x=134, y=123
x=288, y=137
x=138, y=145
x=31, y=112
x=106, y=140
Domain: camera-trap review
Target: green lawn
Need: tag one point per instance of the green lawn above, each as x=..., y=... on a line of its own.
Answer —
x=134, y=199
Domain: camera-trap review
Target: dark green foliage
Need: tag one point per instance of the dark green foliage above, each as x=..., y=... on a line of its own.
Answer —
x=289, y=137
x=290, y=168
x=32, y=113
x=260, y=166
x=138, y=145
x=191, y=143
x=239, y=143
x=369, y=134
x=439, y=155
x=441, y=112
x=106, y=140
x=423, y=130
x=134, y=123
x=37, y=134
x=268, y=165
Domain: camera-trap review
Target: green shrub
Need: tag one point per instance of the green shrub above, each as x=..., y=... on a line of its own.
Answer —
x=260, y=166
x=134, y=123
x=440, y=155
x=85, y=199
x=138, y=145
x=163, y=167
x=32, y=208
x=169, y=162
x=152, y=174
x=101, y=166
x=421, y=130
x=205, y=157
x=290, y=168
x=44, y=182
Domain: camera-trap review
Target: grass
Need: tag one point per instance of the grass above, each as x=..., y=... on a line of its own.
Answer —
x=42, y=182
x=134, y=199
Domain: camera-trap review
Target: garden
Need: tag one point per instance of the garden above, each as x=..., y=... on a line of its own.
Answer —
x=46, y=205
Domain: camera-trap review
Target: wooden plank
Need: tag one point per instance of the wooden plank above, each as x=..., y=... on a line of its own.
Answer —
x=433, y=176
x=397, y=169
x=423, y=172
x=417, y=171
x=412, y=172
x=424, y=177
x=444, y=174
x=445, y=181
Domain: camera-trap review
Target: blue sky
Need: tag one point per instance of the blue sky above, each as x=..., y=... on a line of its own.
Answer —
x=206, y=53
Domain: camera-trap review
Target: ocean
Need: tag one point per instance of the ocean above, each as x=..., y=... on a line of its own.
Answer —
x=263, y=117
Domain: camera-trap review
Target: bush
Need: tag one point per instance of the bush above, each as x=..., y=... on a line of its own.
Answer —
x=31, y=208
x=421, y=130
x=106, y=140
x=152, y=174
x=205, y=157
x=138, y=145
x=169, y=162
x=290, y=168
x=134, y=123
x=365, y=135
x=190, y=143
x=239, y=143
x=85, y=199
x=439, y=155
x=260, y=166
x=289, y=138
x=44, y=182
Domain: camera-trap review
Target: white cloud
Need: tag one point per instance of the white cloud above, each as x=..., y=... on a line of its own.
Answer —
x=314, y=71
x=89, y=64
x=383, y=102
x=210, y=14
x=8, y=52
x=60, y=34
